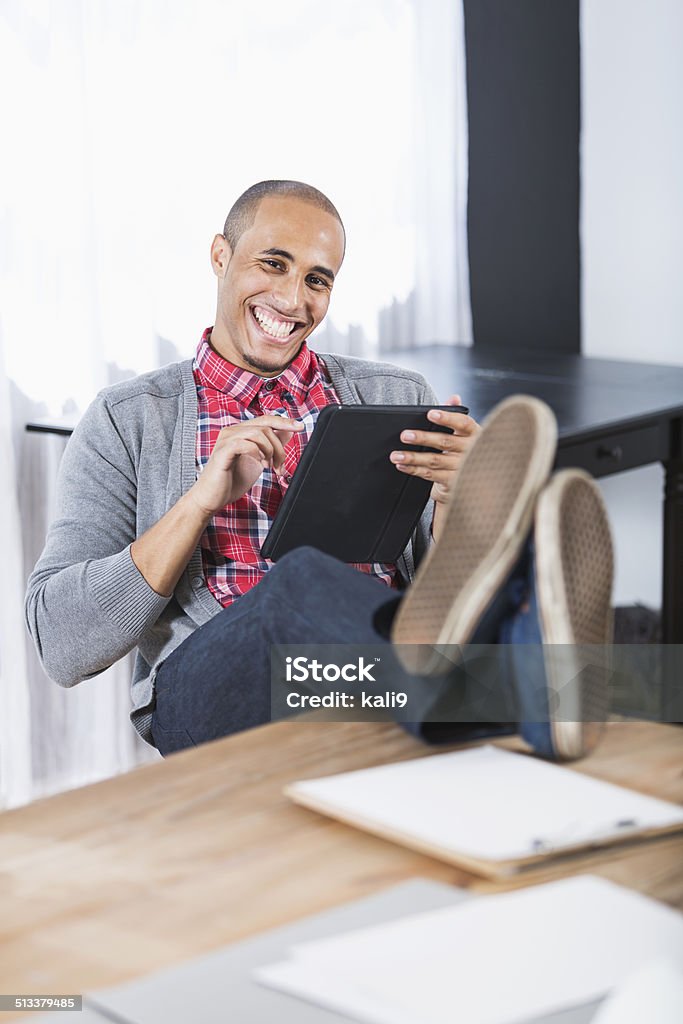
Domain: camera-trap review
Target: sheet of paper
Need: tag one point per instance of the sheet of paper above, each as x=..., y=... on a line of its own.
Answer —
x=654, y=993
x=497, y=960
x=335, y=992
x=487, y=803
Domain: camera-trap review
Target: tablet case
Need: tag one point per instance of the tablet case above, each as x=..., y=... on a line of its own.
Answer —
x=346, y=498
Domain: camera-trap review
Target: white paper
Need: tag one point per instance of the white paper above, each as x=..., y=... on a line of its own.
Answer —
x=496, y=960
x=653, y=994
x=332, y=991
x=486, y=803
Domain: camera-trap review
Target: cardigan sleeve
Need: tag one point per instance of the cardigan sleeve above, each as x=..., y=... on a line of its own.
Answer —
x=87, y=604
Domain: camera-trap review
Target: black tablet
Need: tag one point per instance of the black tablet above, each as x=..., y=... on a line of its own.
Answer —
x=346, y=498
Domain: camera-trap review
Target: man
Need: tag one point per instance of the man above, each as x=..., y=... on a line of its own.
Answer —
x=170, y=482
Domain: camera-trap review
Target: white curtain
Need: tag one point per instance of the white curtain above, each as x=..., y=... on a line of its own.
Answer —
x=130, y=126
x=15, y=712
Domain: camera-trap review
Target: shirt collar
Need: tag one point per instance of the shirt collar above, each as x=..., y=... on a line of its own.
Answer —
x=220, y=374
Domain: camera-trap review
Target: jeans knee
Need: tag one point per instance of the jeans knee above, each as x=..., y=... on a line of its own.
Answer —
x=304, y=560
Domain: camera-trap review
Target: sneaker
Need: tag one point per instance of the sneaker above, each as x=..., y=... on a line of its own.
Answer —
x=486, y=526
x=560, y=638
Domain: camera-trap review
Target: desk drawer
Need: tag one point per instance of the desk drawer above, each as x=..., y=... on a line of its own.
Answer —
x=616, y=452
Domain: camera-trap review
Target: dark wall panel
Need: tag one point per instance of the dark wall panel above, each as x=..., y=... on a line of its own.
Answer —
x=523, y=210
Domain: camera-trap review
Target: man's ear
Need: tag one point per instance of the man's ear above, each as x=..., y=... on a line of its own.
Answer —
x=221, y=254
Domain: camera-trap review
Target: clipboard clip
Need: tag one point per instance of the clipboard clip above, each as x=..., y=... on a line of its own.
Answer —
x=543, y=845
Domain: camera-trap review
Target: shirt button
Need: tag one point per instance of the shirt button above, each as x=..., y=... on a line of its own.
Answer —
x=197, y=581
x=269, y=385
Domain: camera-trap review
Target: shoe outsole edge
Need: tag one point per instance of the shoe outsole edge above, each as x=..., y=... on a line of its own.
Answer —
x=574, y=565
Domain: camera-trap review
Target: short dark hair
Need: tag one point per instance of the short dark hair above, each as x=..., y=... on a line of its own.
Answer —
x=243, y=212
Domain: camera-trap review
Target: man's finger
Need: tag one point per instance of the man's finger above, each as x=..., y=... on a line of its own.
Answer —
x=442, y=442
x=259, y=441
x=440, y=491
x=434, y=459
x=278, y=448
x=437, y=476
x=247, y=446
x=460, y=421
x=227, y=444
x=278, y=422
x=447, y=461
x=284, y=436
x=273, y=422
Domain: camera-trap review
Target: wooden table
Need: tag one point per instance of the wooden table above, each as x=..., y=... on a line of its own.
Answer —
x=180, y=857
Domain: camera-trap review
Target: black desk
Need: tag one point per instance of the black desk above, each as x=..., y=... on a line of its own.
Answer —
x=612, y=416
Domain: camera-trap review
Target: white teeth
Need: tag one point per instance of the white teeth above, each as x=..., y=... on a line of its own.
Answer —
x=281, y=329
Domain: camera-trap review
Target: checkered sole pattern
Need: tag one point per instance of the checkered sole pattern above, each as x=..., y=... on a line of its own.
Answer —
x=574, y=573
x=487, y=521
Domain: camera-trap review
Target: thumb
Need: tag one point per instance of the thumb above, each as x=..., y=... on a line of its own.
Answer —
x=454, y=400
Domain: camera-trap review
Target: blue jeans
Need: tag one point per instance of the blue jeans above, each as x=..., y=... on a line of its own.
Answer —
x=217, y=682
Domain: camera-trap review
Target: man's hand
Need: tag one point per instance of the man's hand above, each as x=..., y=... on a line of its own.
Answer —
x=442, y=465
x=241, y=453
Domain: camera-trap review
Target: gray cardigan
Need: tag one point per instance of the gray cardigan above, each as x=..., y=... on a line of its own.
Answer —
x=129, y=460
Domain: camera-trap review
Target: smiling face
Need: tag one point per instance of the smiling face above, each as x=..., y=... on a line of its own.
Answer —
x=274, y=288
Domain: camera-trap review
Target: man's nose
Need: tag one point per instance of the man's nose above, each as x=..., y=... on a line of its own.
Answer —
x=288, y=293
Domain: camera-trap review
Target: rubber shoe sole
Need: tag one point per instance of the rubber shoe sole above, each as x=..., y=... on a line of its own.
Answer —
x=574, y=569
x=487, y=521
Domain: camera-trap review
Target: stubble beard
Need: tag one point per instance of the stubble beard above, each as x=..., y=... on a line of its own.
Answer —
x=261, y=366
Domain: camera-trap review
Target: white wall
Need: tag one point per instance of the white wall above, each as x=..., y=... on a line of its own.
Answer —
x=632, y=232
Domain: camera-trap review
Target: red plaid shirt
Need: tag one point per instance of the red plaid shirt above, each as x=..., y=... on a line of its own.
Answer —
x=227, y=394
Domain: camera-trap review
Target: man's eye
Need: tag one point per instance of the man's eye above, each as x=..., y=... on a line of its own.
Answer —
x=317, y=282
x=274, y=263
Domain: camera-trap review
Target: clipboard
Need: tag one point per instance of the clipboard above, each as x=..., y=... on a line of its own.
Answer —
x=491, y=811
x=346, y=498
